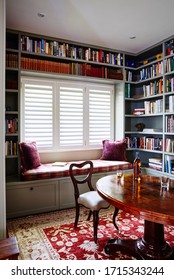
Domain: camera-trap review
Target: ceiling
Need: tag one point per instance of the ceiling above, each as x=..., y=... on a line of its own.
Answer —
x=106, y=23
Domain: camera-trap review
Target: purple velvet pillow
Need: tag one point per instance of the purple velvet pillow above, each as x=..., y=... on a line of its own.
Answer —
x=29, y=155
x=115, y=150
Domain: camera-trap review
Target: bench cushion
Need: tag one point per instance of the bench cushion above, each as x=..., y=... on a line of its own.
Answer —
x=49, y=170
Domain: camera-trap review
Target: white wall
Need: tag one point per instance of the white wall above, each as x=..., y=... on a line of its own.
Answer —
x=2, y=122
x=70, y=155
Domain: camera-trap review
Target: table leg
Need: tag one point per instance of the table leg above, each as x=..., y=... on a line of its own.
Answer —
x=151, y=246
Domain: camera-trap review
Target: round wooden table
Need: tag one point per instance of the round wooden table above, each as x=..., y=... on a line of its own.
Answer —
x=147, y=201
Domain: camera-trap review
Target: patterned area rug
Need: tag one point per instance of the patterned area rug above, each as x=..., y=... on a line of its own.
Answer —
x=52, y=236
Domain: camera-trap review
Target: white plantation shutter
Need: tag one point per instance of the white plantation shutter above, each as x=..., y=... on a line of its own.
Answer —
x=64, y=115
x=37, y=113
x=100, y=114
x=71, y=116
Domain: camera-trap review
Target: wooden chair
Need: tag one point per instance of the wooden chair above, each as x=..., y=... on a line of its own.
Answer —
x=90, y=199
x=9, y=249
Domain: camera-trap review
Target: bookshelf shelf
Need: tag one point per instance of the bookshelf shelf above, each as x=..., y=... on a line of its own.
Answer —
x=146, y=151
x=11, y=156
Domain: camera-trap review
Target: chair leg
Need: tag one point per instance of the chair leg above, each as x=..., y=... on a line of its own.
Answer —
x=114, y=218
x=95, y=223
x=89, y=215
x=77, y=215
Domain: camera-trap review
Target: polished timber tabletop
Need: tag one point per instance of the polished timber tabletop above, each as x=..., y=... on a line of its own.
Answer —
x=144, y=199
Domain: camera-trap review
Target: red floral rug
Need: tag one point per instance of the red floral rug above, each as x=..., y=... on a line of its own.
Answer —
x=52, y=235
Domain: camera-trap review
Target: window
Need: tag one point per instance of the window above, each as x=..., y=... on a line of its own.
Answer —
x=64, y=115
x=71, y=116
x=37, y=112
x=100, y=114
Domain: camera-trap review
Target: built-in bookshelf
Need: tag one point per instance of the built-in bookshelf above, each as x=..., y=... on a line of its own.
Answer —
x=148, y=80
x=33, y=53
x=149, y=101
x=12, y=103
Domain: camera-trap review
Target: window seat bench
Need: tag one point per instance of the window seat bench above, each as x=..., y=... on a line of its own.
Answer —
x=49, y=187
x=58, y=170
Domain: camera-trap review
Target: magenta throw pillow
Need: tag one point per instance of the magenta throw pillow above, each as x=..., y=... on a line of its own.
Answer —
x=114, y=150
x=29, y=155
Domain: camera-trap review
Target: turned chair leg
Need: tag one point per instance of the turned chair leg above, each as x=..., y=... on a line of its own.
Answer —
x=114, y=218
x=77, y=215
x=89, y=215
x=95, y=223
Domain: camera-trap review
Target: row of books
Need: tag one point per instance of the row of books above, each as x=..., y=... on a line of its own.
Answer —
x=169, y=64
x=169, y=164
x=155, y=163
x=170, y=104
x=129, y=76
x=169, y=145
x=11, y=125
x=82, y=69
x=11, y=148
x=150, y=107
x=170, y=84
x=153, y=88
x=144, y=142
x=11, y=60
x=151, y=71
x=169, y=123
x=42, y=46
x=153, y=107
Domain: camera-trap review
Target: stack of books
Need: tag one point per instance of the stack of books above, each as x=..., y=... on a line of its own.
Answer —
x=139, y=111
x=155, y=163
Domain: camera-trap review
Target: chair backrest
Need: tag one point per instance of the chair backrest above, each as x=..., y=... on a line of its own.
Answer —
x=79, y=181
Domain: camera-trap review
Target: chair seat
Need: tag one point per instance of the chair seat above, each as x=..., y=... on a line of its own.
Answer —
x=93, y=201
